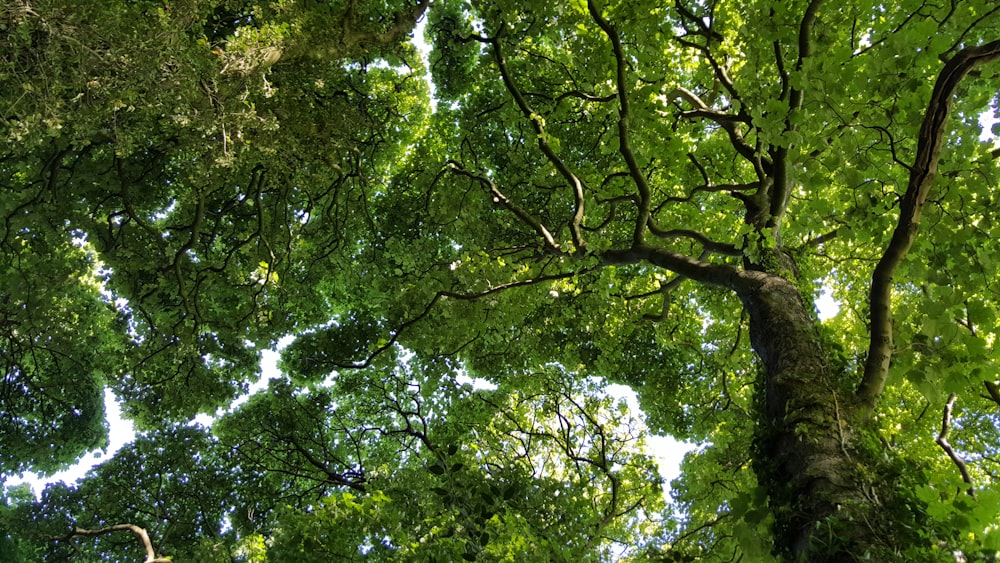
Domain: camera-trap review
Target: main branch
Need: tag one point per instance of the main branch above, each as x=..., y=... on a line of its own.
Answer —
x=722, y=275
x=782, y=186
x=921, y=178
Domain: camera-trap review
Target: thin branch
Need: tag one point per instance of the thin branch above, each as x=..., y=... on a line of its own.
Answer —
x=585, y=96
x=881, y=40
x=500, y=199
x=728, y=122
x=332, y=476
x=922, y=174
x=961, y=37
x=707, y=524
x=404, y=326
x=942, y=440
x=538, y=124
x=506, y=286
x=701, y=169
x=892, y=143
x=733, y=190
x=613, y=203
x=703, y=29
x=821, y=239
x=721, y=72
x=709, y=244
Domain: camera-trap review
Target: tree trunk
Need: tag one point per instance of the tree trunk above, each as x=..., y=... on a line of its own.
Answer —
x=805, y=457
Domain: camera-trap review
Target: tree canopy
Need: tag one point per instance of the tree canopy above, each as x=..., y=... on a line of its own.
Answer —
x=562, y=196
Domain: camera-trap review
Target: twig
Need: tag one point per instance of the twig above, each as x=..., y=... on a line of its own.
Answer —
x=942, y=440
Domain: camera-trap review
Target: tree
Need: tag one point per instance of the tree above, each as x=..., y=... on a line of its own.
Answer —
x=649, y=194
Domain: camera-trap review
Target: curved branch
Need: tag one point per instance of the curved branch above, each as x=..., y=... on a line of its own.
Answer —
x=624, y=114
x=970, y=27
x=881, y=40
x=190, y=244
x=734, y=190
x=500, y=199
x=721, y=72
x=126, y=198
x=922, y=175
x=405, y=325
x=585, y=97
x=821, y=239
x=509, y=285
x=709, y=244
x=727, y=121
x=345, y=480
x=613, y=204
x=139, y=532
x=699, y=22
x=782, y=187
x=538, y=124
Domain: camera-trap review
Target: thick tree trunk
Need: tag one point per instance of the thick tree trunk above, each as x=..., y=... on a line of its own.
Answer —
x=808, y=456
x=805, y=457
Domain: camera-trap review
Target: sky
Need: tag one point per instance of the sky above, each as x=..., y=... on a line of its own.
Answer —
x=122, y=433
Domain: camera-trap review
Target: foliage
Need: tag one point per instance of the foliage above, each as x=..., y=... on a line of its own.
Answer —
x=624, y=191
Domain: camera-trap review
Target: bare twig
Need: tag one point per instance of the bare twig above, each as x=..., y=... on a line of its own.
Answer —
x=942, y=440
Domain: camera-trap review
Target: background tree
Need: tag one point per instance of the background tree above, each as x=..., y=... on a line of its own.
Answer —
x=140, y=161
x=645, y=193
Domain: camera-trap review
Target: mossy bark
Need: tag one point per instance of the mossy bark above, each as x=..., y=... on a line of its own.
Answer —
x=806, y=456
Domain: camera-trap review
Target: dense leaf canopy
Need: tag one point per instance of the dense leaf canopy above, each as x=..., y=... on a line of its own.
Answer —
x=560, y=196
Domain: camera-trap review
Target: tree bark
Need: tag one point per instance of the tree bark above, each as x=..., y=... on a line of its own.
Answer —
x=805, y=456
